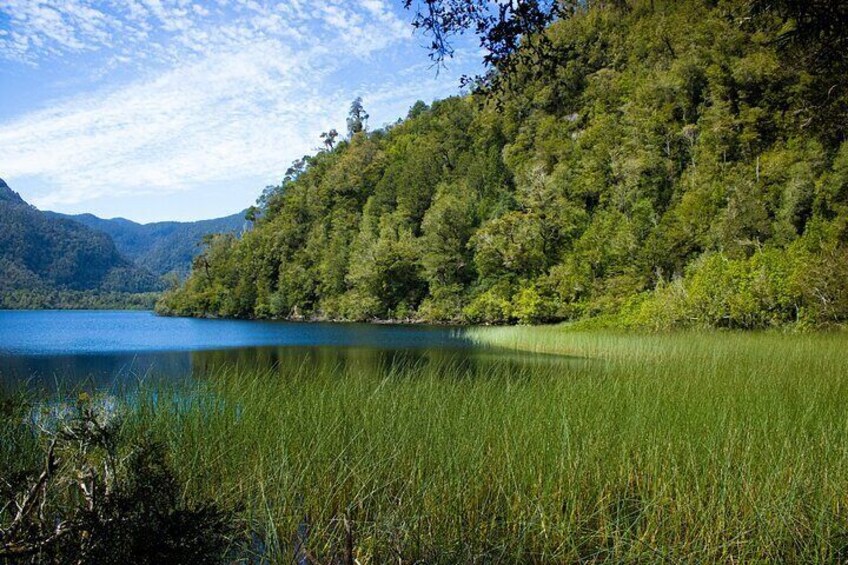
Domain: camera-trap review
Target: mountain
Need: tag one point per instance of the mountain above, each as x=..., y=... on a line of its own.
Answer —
x=39, y=252
x=161, y=247
x=671, y=163
x=9, y=196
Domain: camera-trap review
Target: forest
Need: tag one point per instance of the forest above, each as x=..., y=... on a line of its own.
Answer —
x=53, y=262
x=162, y=248
x=52, y=299
x=680, y=164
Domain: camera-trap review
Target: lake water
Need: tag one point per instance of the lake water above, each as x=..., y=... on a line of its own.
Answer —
x=102, y=348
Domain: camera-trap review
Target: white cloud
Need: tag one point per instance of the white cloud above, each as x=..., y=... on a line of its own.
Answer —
x=165, y=28
x=201, y=122
x=236, y=98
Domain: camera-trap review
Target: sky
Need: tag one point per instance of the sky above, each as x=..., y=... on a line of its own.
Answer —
x=182, y=110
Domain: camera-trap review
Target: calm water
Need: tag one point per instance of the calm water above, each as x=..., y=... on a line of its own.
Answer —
x=44, y=348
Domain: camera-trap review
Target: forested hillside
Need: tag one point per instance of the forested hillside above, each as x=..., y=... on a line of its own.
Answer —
x=682, y=165
x=40, y=255
x=160, y=247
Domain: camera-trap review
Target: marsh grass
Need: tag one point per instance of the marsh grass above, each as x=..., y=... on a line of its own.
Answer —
x=685, y=447
x=719, y=447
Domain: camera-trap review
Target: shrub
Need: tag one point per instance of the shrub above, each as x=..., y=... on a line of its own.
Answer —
x=493, y=306
x=530, y=306
x=444, y=304
x=97, y=500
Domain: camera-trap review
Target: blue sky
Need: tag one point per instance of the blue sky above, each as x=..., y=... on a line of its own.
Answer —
x=180, y=109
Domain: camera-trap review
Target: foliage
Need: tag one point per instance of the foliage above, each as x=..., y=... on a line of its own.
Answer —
x=357, y=121
x=42, y=253
x=710, y=447
x=162, y=247
x=95, y=501
x=23, y=299
x=667, y=171
x=500, y=27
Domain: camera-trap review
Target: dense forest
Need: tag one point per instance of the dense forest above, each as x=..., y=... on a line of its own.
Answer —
x=41, y=254
x=50, y=260
x=160, y=247
x=51, y=299
x=681, y=164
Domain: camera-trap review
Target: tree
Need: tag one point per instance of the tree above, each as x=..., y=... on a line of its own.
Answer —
x=357, y=118
x=500, y=26
x=272, y=193
x=297, y=168
x=819, y=25
x=268, y=194
x=511, y=244
x=447, y=227
x=417, y=109
x=329, y=139
x=813, y=37
x=252, y=213
x=666, y=134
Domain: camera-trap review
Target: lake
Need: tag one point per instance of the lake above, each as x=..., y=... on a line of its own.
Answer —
x=102, y=348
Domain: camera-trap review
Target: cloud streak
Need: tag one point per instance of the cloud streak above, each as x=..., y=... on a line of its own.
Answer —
x=227, y=90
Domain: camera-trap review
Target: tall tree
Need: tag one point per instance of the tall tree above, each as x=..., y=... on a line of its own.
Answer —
x=813, y=36
x=357, y=118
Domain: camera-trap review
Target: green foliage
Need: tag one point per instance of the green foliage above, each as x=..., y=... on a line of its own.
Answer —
x=531, y=306
x=666, y=172
x=771, y=288
x=41, y=254
x=100, y=496
x=24, y=299
x=162, y=247
x=492, y=306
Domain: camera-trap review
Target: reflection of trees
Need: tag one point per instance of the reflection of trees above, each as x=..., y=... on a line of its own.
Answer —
x=118, y=371
x=287, y=362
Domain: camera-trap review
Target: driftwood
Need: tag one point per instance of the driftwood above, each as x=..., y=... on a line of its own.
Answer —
x=87, y=504
x=16, y=540
x=28, y=533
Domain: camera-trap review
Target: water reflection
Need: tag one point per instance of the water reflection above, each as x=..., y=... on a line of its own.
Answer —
x=97, y=370
x=106, y=371
x=88, y=332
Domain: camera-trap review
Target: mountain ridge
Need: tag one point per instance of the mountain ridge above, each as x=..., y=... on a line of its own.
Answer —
x=9, y=195
x=161, y=247
x=40, y=253
x=54, y=260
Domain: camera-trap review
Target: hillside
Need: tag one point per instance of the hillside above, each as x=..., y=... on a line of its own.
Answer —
x=39, y=253
x=161, y=247
x=682, y=167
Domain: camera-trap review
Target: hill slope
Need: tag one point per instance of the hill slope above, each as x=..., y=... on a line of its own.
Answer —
x=674, y=170
x=43, y=253
x=161, y=247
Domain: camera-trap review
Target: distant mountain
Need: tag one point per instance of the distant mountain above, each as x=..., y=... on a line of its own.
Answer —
x=161, y=247
x=41, y=252
x=7, y=195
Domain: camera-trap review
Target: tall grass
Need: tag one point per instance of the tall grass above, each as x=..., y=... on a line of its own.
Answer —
x=718, y=447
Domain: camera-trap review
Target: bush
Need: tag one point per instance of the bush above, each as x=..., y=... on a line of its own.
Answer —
x=444, y=304
x=530, y=306
x=821, y=281
x=98, y=500
x=491, y=307
x=722, y=292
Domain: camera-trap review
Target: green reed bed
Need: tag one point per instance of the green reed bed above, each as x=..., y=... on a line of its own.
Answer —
x=686, y=447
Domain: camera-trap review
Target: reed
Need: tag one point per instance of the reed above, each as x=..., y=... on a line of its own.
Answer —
x=717, y=447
